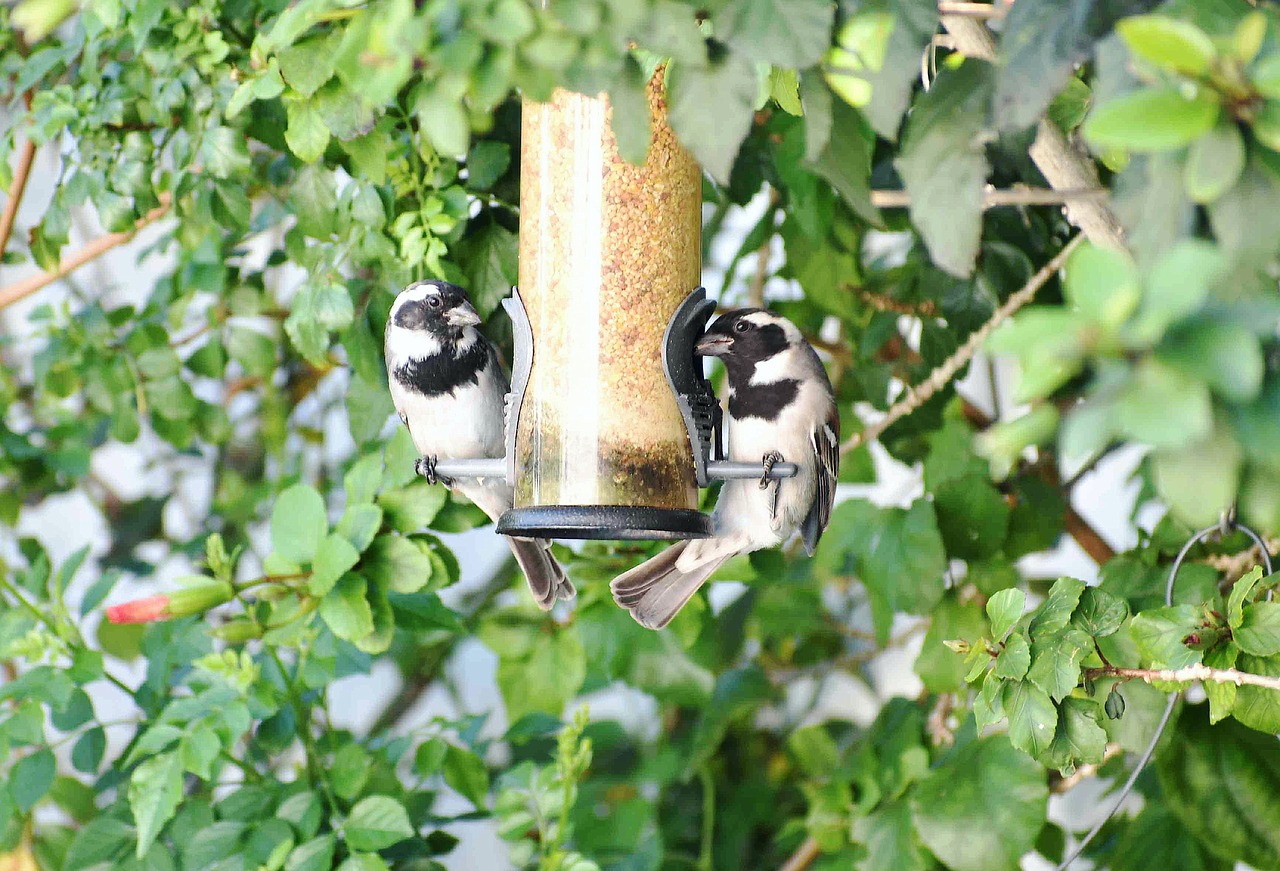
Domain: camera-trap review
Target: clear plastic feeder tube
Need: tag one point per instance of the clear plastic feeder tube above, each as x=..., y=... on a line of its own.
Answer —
x=608, y=250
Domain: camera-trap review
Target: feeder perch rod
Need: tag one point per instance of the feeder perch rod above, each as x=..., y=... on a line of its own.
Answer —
x=496, y=467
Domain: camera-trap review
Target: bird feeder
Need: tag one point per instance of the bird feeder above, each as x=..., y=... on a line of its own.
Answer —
x=611, y=426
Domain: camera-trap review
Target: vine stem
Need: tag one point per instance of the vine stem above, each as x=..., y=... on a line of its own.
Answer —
x=941, y=376
x=16, y=190
x=991, y=198
x=95, y=249
x=803, y=857
x=1185, y=675
x=708, y=818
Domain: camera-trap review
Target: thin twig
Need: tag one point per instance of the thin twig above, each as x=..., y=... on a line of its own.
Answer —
x=803, y=857
x=992, y=198
x=940, y=377
x=972, y=10
x=1186, y=675
x=19, y=186
x=1233, y=565
x=95, y=249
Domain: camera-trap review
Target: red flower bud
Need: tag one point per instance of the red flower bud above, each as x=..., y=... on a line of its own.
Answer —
x=140, y=610
x=183, y=602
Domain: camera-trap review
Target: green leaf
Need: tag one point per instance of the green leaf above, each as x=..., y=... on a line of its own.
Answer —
x=334, y=557
x=1241, y=592
x=859, y=53
x=897, y=553
x=102, y=840
x=982, y=807
x=359, y=524
x=412, y=508
x=466, y=772
x=1159, y=633
x=711, y=109
x=1099, y=614
x=889, y=838
x=308, y=64
x=487, y=161
x=1033, y=719
x=298, y=523
x=86, y=754
x=1152, y=120
x=671, y=30
x=224, y=152
x=738, y=693
x=396, y=563
x=489, y=255
x=1102, y=284
x=1055, y=613
x=1198, y=480
x=306, y=135
x=1164, y=408
x=785, y=33
x=940, y=669
x=31, y=778
x=1079, y=740
x=1256, y=707
x=1221, y=695
x=1214, y=163
x=1223, y=783
x=1055, y=662
x=377, y=822
x=845, y=160
x=314, y=199
x=444, y=121
x=1225, y=356
x=346, y=611
x=973, y=517
x=547, y=679
x=1259, y=630
x=944, y=167
x=155, y=789
x=1014, y=658
x=1005, y=608
x=1168, y=42
x=314, y=855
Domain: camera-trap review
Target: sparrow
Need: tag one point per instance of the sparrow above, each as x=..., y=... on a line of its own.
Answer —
x=781, y=408
x=448, y=388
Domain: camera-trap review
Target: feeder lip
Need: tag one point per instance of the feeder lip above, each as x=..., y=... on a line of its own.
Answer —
x=610, y=522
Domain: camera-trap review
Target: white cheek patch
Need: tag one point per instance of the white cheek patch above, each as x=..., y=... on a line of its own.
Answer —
x=779, y=367
x=414, y=293
x=405, y=344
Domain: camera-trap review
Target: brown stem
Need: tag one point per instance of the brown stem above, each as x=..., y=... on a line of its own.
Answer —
x=1087, y=537
x=941, y=376
x=992, y=199
x=1186, y=675
x=1065, y=784
x=95, y=249
x=16, y=190
x=803, y=857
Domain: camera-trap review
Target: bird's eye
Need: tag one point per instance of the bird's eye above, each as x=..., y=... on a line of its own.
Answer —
x=741, y=327
x=433, y=301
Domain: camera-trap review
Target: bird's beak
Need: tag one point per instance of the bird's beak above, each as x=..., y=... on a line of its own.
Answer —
x=462, y=315
x=713, y=345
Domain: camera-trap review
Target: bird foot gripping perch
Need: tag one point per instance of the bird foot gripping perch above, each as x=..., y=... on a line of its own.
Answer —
x=770, y=460
x=426, y=467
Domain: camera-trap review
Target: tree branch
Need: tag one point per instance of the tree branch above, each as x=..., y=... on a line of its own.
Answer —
x=1064, y=166
x=95, y=249
x=803, y=857
x=1184, y=675
x=16, y=190
x=940, y=377
x=993, y=198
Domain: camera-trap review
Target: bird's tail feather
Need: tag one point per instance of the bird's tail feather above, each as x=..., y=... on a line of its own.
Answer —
x=546, y=577
x=656, y=590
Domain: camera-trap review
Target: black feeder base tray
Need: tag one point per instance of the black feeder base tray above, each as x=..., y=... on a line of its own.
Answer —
x=612, y=522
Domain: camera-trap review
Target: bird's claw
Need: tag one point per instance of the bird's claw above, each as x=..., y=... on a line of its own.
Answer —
x=426, y=467
x=770, y=460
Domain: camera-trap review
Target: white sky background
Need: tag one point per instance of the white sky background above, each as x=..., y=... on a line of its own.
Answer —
x=66, y=522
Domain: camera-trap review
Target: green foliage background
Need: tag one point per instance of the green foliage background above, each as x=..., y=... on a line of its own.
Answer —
x=368, y=144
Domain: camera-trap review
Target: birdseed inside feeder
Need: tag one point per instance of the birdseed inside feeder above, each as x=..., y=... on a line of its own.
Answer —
x=608, y=252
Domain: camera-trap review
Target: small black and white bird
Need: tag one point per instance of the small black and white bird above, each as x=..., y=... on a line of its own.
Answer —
x=781, y=407
x=448, y=388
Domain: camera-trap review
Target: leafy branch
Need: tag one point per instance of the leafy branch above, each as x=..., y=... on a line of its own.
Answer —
x=942, y=375
x=1185, y=675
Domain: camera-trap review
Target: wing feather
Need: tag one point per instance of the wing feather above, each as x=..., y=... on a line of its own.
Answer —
x=826, y=450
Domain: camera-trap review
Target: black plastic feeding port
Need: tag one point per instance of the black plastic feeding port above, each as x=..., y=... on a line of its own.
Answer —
x=701, y=414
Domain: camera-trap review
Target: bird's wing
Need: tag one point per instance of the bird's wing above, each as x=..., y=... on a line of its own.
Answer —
x=826, y=450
